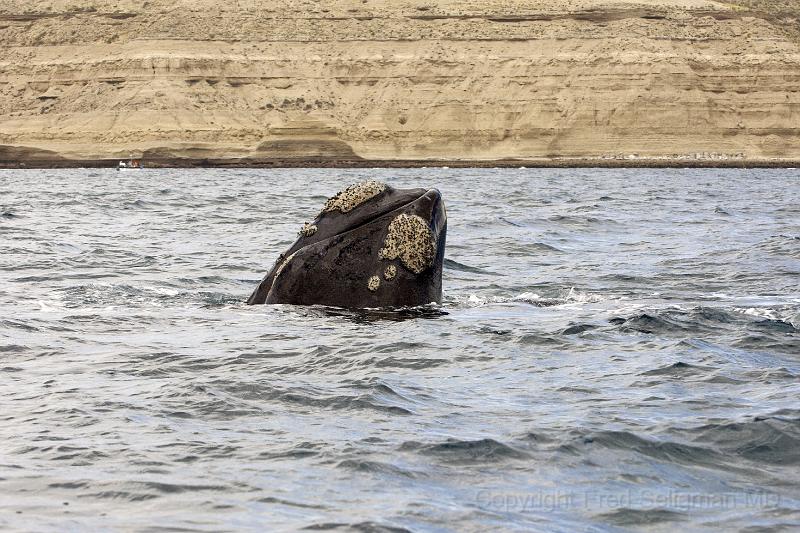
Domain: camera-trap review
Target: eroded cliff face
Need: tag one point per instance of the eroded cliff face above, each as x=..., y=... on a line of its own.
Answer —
x=399, y=80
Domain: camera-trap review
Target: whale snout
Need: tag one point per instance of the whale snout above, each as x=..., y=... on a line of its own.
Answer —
x=434, y=207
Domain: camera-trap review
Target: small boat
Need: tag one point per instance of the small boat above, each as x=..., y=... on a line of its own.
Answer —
x=132, y=164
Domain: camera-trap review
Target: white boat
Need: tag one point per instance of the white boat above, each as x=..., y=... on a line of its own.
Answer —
x=132, y=164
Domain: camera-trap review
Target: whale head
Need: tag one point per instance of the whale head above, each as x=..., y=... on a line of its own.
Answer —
x=372, y=245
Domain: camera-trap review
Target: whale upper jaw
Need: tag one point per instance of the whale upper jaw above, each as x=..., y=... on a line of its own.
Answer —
x=367, y=226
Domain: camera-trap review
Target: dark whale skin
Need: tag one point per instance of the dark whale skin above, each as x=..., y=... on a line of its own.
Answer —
x=387, y=251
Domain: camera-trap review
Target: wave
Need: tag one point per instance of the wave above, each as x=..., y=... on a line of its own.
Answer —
x=577, y=329
x=138, y=491
x=663, y=450
x=300, y=450
x=582, y=221
x=375, y=467
x=772, y=439
x=771, y=376
x=627, y=516
x=787, y=314
x=466, y=451
x=511, y=223
x=560, y=297
x=378, y=397
x=123, y=495
x=704, y=319
x=369, y=315
x=741, y=446
x=451, y=264
x=786, y=245
x=365, y=527
x=139, y=203
x=17, y=324
x=289, y=503
x=123, y=294
x=678, y=370
x=13, y=348
x=544, y=247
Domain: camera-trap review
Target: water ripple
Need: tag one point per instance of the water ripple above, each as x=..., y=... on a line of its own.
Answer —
x=616, y=349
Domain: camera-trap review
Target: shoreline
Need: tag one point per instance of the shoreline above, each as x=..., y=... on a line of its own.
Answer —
x=595, y=83
x=167, y=163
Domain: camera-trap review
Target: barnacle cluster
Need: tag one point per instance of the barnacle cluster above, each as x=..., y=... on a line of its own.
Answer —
x=353, y=196
x=409, y=239
x=373, y=283
x=307, y=230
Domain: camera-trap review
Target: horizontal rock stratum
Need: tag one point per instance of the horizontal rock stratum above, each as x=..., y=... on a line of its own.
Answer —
x=347, y=80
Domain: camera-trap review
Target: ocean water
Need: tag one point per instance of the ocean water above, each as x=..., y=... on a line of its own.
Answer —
x=617, y=350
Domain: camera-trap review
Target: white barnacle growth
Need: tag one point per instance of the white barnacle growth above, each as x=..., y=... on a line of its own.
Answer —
x=353, y=196
x=307, y=230
x=373, y=283
x=409, y=239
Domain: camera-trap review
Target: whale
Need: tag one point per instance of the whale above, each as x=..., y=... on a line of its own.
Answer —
x=371, y=246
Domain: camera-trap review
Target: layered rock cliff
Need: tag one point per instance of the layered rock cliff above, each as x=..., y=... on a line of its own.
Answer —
x=379, y=79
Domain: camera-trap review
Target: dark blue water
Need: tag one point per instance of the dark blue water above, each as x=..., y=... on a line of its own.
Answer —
x=617, y=350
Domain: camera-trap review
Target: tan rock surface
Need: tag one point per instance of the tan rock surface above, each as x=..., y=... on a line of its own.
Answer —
x=381, y=79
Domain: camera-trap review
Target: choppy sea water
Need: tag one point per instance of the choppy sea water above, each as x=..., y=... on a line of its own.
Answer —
x=617, y=350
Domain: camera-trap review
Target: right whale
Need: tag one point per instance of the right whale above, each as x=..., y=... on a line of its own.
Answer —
x=371, y=246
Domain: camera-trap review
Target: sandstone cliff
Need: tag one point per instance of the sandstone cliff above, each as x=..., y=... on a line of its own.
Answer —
x=380, y=79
